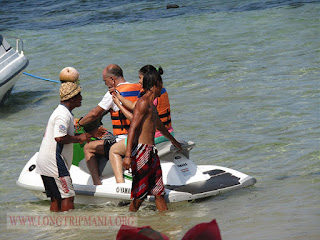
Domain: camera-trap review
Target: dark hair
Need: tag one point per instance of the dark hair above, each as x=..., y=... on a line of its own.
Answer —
x=147, y=68
x=116, y=71
x=151, y=78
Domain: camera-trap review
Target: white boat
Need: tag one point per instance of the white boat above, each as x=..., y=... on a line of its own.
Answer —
x=182, y=178
x=12, y=63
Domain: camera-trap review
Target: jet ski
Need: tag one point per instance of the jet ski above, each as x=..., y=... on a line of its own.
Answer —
x=183, y=179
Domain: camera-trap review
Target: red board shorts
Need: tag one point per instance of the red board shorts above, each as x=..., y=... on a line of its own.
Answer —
x=146, y=172
x=58, y=187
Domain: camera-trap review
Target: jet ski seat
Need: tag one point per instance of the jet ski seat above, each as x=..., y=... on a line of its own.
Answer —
x=166, y=152
x=104, y=166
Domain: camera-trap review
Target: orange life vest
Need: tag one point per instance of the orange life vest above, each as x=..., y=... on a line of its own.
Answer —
x=163, y=108
x=120, y=123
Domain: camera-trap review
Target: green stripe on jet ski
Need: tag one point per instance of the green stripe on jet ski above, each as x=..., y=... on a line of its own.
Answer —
x=127, y=176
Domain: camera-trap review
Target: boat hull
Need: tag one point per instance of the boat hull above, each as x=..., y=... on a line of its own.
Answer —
x=12, y=64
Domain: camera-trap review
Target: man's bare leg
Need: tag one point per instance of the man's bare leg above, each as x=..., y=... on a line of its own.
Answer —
x=67, y=204
x=117, y=150
x=55, y=205
x=135, y=205
x=160, y=203
x=90, y=151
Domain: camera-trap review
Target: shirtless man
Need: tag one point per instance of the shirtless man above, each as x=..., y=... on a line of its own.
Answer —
x=141, y=154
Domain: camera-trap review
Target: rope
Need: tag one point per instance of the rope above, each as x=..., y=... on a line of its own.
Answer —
x=46, y=79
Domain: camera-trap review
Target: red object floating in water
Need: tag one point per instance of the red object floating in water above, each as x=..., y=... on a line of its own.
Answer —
x=202, y=231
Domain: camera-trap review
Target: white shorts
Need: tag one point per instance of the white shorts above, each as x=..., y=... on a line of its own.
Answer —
x=60, y=187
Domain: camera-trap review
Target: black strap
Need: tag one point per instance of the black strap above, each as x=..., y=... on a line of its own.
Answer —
x=167, y=114
x=121, y=127
x=167, y=122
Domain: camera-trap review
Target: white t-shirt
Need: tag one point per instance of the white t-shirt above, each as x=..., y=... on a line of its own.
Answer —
x=107, y=102
x=55, y=159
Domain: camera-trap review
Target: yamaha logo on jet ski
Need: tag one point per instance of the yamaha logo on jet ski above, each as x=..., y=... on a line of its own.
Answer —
x=123, y=190
x=182, y=165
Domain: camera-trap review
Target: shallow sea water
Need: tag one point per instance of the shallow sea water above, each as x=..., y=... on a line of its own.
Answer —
x=243, y=82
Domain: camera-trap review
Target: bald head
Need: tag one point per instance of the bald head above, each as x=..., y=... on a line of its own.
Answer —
x=113, y=75
x=114, y=70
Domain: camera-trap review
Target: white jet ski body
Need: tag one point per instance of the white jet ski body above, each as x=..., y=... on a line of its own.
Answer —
x=183, y=179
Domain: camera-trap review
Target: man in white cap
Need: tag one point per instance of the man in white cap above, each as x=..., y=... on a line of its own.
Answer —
x=56, y=151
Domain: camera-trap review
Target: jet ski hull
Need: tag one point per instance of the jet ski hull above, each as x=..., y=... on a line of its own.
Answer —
x=183, y=180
